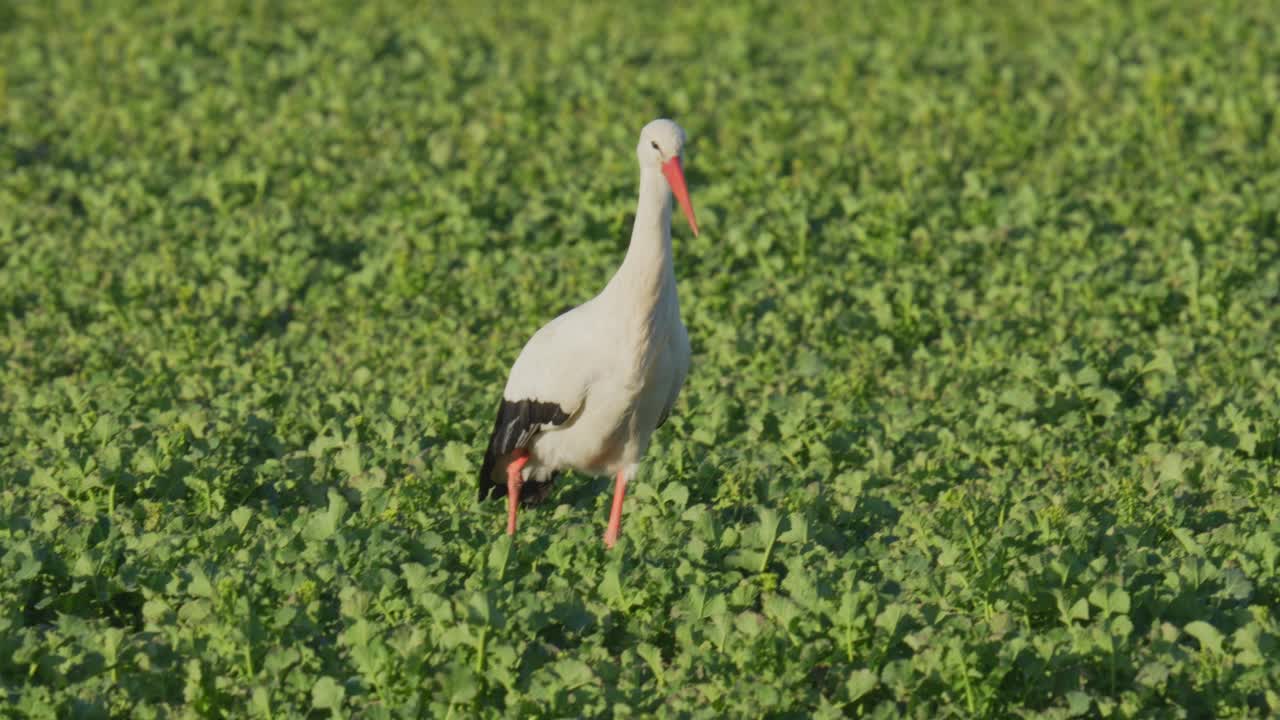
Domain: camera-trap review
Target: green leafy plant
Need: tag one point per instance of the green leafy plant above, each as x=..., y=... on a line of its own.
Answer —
x=984, y=418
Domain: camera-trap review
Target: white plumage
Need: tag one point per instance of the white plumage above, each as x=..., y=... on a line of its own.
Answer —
x=591, y=386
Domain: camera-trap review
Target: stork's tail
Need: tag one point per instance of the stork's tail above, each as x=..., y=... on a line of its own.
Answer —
x=516, y=425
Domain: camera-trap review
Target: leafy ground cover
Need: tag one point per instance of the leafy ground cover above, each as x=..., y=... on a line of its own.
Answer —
x=984, y=419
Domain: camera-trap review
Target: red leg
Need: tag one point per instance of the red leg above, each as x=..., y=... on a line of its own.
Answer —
x=615, y=515
x=514, y=481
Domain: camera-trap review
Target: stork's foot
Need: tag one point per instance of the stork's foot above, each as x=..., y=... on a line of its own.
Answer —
x=615, y=514
x=514, y=481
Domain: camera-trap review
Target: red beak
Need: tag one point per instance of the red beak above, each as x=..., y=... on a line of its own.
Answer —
x=675, y=178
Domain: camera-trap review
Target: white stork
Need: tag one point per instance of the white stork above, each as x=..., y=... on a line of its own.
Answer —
x=591, y=386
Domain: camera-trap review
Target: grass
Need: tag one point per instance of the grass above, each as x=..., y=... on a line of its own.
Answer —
x=984, y=419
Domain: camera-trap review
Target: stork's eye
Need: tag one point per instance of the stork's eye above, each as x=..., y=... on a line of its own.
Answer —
x=654, y=143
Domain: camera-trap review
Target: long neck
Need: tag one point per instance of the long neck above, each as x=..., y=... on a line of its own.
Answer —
x=647, y=273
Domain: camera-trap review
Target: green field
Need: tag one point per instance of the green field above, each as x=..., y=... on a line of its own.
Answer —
x=984, y=418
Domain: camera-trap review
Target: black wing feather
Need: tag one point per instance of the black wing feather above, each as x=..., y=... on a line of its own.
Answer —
x=518, y=421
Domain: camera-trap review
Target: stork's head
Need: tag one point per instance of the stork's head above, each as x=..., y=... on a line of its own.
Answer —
x=661, y=146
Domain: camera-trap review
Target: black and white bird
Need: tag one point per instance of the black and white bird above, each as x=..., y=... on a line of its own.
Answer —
x=591, y=386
